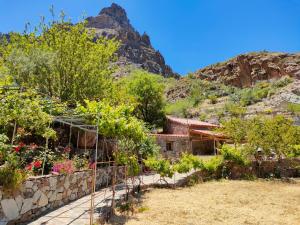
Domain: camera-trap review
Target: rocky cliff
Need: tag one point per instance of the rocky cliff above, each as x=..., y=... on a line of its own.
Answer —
x=136, y=50
x=244, y=70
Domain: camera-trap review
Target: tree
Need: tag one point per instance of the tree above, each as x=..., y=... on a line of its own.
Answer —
x=276, y=134
x=147, y=90
x=235, y=129
x=24, y=110
x=61, y=60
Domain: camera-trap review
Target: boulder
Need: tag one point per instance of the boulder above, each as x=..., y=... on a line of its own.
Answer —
x=27, y=205
x=10, y=209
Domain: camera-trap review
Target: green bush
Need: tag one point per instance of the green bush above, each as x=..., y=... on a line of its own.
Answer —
x=11, y=178
x=294, y=151
x=188, y=162
x=80, y=162
x=162, y=166
x=235, y=155
x=213, y=99
x=235, y=109
x=211, y=166
x=294, y=108
x=282, y=82
x=179, y=108
x=4, y=148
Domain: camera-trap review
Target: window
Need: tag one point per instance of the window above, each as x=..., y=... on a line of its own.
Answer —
x=169, y=146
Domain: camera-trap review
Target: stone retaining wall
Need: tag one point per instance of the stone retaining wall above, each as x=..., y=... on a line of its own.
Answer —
x=45, y=193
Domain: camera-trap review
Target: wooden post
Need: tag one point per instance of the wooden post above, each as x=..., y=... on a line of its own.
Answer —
x=215, y=150
x=92, y=200
x=113, y=203
x=14, y=132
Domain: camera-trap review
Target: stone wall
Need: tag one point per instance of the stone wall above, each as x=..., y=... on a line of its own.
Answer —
x=175, y=128
x=178, y=145
x=45, y=193
x=264, y=169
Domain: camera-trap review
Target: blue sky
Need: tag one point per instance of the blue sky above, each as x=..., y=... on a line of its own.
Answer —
x=189, y=33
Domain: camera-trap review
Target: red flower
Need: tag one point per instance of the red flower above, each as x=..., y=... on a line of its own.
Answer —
x=21, y=144
x=37, y=164
x=17, y=148
x=29, y=167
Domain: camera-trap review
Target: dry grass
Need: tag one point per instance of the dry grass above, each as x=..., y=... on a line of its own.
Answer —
x=222, y=202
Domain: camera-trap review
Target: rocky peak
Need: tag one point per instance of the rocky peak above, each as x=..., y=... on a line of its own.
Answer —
x=136, y=50
x=117, y=13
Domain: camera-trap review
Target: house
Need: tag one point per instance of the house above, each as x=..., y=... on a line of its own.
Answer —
x=187, y=135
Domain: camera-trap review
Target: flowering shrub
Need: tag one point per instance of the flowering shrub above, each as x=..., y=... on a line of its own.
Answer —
x=80, y=162
x=35, y=167
x=19, y=148
x=65, y=167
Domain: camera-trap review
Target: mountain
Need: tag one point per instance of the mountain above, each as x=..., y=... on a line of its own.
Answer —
x=244, y=70
x=136, y=49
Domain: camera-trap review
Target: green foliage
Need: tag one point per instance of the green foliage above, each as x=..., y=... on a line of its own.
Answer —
x=61, y=60
x=198, y=90
x=234, y=155
x=25, y=109
x=294, y=151
x=162, y=166
x=129, y=160
x=294, y=108
x=179, y=108
x=235, y=129
x=273, y=134
x=249, y=96
x=147, y=90
x=282, y=82
x=113, y=121
x=80, y=162
x=188, y=162
x=4, y=148
x=235, y=109
x=213, y=164
x=261, y=90
x=11, y=178
x=213, y=99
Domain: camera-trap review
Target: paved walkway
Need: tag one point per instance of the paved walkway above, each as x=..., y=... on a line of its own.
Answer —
x=77, y=212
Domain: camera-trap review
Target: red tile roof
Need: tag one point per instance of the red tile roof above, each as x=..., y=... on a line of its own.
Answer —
x=171, y=135
x=190, y=122
x=208, y=133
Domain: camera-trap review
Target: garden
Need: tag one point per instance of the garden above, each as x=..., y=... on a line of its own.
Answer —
x=62, y=71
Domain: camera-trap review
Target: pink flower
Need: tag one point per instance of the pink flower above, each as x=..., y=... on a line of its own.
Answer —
x=67, y=149
x=65, y=167
x=33, y=146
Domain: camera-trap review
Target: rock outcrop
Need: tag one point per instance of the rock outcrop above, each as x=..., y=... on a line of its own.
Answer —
x=136, y=50
x=244, y=70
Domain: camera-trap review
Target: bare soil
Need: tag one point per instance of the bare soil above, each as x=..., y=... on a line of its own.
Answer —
x=220, y=202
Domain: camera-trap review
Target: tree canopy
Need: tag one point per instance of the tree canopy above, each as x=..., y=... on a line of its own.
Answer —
x=61, y=60
x=147, y=91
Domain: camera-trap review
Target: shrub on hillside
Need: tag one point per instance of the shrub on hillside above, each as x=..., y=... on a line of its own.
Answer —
x=294, y=108
x=179, y=108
